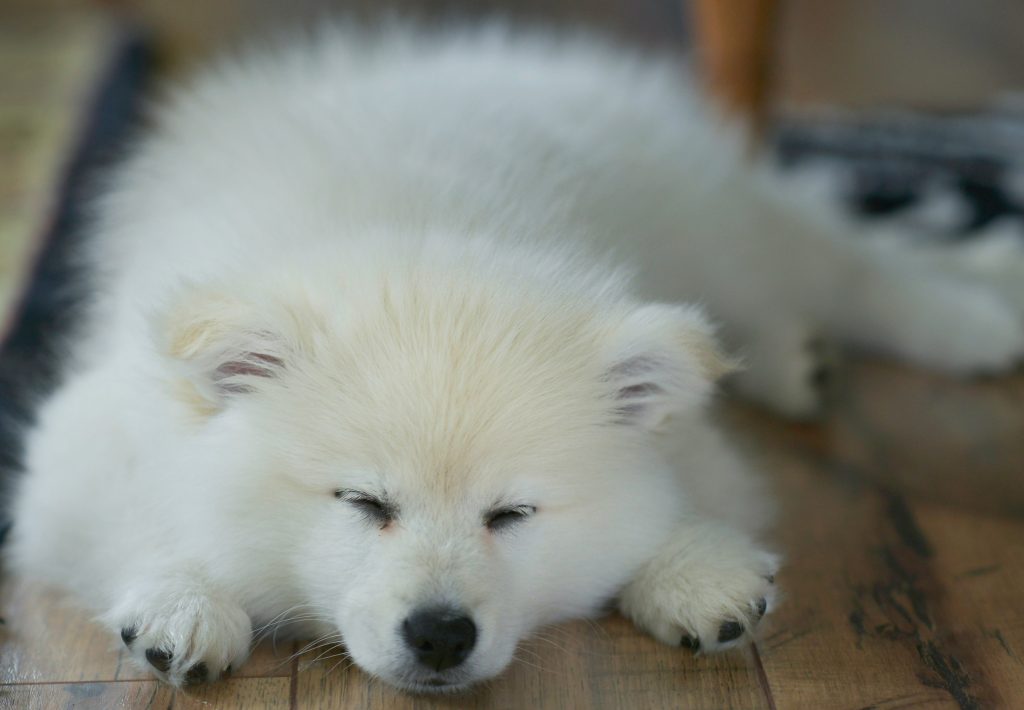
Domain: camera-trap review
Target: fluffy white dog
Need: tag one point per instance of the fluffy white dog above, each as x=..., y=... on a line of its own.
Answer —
x=352, y=369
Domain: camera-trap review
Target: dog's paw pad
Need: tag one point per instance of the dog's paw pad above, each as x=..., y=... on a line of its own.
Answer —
x=199, y=673
x=129, y=634
x=729, y=631
x=159, y=659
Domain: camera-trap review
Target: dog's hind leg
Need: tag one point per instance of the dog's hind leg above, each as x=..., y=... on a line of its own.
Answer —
x=807, y=277
x=885, y=296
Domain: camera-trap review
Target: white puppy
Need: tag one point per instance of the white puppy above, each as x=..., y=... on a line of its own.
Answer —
x=349, y=370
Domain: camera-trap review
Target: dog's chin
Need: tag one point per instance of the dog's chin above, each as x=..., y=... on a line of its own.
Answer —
x=431, y=685
x=434, y=688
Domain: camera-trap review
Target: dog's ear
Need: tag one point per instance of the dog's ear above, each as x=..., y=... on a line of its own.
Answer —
x=221, y=345
x=662, y=360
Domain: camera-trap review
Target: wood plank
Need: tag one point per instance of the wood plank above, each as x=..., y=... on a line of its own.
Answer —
x=46, y=640
x=877, y=614
x=934, y=437
x=606, y=664
x=980, y=564
x=236, y=694
x=841, y=637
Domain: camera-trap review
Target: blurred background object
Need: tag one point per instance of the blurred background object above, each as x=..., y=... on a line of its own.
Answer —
x=935, y=54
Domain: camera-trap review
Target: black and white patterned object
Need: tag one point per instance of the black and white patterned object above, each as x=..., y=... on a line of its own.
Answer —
x=945, y=177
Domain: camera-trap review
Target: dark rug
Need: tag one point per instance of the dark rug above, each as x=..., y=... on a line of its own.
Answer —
x=30, y=356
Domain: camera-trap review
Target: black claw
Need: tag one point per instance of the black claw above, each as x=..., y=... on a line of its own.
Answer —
x=129, y=634
x=690, y=642
x=227, y=671
x=762, y=607
x=729, y=631
x=197, y=674
x=159, y=659
x=771, y=579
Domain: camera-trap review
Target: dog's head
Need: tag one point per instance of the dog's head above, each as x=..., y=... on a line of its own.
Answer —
x=435, y=458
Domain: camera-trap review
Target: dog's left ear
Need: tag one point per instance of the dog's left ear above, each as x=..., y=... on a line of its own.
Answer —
x=221, y=345
x=662, y=360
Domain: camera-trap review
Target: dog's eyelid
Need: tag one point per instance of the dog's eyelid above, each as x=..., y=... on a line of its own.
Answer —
x=506, y=516
x=351, y=494
x=375, y=506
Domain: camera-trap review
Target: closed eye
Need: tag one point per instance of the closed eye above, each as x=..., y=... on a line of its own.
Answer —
x=501, y=519
x=373, y=509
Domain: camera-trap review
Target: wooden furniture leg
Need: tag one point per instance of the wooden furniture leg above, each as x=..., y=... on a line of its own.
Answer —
x=735, y=44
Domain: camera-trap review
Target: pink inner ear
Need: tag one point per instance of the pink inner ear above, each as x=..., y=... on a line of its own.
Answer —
x=251, y=365
x=635, y=401
x=637, y=392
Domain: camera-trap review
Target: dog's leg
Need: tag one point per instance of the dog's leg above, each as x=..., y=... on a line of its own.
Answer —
x=706, y=589
x=899, y=306
x=807, y=277
x=995, y=258
x=90, y=518
x=178, y=626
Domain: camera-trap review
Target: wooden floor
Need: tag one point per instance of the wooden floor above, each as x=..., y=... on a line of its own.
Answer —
x=903, y=531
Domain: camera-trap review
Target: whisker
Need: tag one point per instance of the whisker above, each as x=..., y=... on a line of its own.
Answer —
x=330, y=639
x=330, y=651
x=519, y=659
x=344, y=657
x=264, y=628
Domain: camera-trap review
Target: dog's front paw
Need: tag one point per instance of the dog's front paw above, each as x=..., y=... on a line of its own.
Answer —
x=184, y=637
x=706, y=595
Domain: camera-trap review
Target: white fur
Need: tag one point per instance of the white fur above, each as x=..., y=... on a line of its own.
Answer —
x=354, y=264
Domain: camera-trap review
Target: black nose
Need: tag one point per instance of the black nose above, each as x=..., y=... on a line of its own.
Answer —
x=440, y=638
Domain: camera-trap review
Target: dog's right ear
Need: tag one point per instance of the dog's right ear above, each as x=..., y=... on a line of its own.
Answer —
x=222, y=346
x=662, y=360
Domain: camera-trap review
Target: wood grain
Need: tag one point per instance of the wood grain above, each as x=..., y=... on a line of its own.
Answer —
x=247, y=694
x=959, y=442
x=841, y=639
x=979, y=562
x=903, y=544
